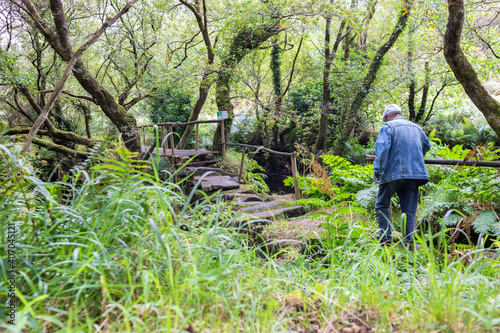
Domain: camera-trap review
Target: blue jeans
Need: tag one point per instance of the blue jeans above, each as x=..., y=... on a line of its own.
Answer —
x=407, y=191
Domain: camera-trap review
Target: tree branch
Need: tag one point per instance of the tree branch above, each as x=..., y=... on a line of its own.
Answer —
x=56, y=134
x=60, y=149
x=69, y=93
x=74, y=58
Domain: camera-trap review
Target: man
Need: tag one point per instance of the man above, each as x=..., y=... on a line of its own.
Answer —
x=399, y=167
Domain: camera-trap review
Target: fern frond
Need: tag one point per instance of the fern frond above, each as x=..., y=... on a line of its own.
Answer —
x=485, y=222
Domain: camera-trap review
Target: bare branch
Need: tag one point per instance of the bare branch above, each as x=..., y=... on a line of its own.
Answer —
x=69, y=93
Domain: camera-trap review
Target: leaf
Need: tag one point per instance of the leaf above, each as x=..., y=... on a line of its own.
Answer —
x=485, y=222
x=451, y=219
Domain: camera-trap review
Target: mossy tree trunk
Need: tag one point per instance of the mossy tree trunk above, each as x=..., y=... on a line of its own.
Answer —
x=244, y=42
x=58, y=38
x=463, y=70
x=200, y=12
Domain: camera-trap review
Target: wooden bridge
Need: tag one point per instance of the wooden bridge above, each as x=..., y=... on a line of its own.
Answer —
x=179, y=157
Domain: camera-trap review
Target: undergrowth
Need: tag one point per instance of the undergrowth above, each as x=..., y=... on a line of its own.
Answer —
x=103, y=251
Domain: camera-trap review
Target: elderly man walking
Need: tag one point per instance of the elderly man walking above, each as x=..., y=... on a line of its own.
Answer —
x=399, y=167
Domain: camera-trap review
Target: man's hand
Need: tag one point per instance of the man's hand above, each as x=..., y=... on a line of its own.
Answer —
x=376, y=180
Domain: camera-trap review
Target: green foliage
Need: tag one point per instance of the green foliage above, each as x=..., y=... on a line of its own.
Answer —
x=465, y=128
x=117, y=248
x=487, y=222
x=255, y=180
x=338, y=181
x=169, y=105
x=463, y=189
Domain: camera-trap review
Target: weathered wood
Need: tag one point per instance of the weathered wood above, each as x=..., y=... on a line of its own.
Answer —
x=259, y=148
x=223, y=139
x=197, y=138
x=171, y=133
x=163, y=142
x=179, y=152
x=295, y=177
x=241, y=164
x=494, y=164
x=182, y=124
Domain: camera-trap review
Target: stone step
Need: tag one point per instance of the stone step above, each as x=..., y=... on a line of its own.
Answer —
x=291, y=211
x=241, y=199
x=198, y=163
x=215, y=183
x=264, y=206
x=198, y=171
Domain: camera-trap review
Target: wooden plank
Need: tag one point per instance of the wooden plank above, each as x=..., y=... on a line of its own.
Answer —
x=180, y=152
x=259, y=148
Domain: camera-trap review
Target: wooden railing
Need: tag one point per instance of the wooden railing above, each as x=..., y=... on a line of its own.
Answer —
x=293, y=160
x=171, y=125
x=494, y=164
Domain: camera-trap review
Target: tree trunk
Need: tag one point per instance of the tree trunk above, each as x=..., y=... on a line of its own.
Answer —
x=200, y=13
x=412, y=80
x=202, y=97
x=242, y=44
x=463, y=70
x=59, y=41
x=425, y=93
x=276, y=70
x=325, y=103
x=350, y=116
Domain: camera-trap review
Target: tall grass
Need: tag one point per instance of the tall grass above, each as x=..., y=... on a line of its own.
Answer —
x=116, y=249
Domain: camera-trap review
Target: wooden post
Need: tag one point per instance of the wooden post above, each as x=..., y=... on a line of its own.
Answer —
x=144, y=136
x=197, y=140
x=241, y=164
x=163, y=136
x=295, y=177
x=223, y=138
x=171, y=132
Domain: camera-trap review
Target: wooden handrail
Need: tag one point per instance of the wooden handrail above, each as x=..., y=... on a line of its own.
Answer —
x=292, y=155
x=259, y=148
x=183, y=124
x=494, y=164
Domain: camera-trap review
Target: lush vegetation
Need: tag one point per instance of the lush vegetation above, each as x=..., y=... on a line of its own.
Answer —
x=113, y=247
x=106, y=241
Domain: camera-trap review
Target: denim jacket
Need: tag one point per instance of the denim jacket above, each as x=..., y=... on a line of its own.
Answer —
x=400, y=149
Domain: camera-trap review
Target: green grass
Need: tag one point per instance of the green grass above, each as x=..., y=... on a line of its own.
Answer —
x=104, y=251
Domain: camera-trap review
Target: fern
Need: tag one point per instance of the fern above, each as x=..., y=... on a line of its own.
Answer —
x=486, y=222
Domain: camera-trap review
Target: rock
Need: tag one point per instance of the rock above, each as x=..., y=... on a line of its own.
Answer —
x=288, y=211
x=198, y=171
x=214, y=183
